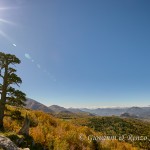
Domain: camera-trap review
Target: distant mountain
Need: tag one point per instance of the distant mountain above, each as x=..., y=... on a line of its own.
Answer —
x=58, y=109
x=106, y=111
x=55, y=109
x=128, y=115
x=135, y=110
x=75, y=110
x=80, y=112
x=32, y=104
x=69, y=111
x=140, y=112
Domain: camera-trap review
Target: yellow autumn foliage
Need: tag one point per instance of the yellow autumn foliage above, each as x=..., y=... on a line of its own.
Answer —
x=55, y=134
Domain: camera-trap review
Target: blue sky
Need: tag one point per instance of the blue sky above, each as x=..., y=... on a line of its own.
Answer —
x=80, y=53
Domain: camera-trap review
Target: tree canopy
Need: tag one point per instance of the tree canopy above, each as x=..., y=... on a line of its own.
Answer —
x=8, y=78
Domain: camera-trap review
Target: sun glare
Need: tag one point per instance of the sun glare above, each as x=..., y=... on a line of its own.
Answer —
x=7, y=8
x=4, y=22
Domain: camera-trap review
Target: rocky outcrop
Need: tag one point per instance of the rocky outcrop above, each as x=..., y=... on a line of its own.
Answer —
x=7, y=144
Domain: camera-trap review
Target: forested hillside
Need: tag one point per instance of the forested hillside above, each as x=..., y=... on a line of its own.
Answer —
x=51, y=133
x=134, y=131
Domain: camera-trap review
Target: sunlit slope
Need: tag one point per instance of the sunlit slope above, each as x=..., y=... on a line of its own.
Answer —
x=52, y=133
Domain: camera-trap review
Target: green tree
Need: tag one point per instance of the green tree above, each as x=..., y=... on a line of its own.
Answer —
x=8, y=78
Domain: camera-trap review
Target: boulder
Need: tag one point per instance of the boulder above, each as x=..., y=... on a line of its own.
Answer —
x=7, y=144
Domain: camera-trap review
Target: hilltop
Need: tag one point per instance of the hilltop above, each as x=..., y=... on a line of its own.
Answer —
x=33, y=104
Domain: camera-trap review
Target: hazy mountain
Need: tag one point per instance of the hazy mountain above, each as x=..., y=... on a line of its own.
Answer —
x=106, y=111
x=32, y=104
x=80, y=112
x=135, y=110
x=128, y=115
x=75, y=110
x=58, y=109
x=141, y=112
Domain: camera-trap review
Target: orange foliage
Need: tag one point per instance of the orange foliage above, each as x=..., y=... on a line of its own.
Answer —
x=56, y=134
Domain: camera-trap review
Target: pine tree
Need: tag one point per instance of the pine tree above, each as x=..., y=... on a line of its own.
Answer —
x=8, y=78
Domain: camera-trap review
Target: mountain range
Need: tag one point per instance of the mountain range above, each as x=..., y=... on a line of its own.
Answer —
x=137, y=112
x=54, y=109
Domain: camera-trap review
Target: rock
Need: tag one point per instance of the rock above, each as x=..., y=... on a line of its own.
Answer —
x=7, y=144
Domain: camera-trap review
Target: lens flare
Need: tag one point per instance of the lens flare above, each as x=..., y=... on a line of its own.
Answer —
x=6, y=21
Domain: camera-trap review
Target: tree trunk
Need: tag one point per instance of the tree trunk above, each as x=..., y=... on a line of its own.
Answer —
x=3, y=99
x=25, y=128
x=2, y=108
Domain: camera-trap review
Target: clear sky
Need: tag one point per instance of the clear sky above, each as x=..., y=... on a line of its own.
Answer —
x=80, y=53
